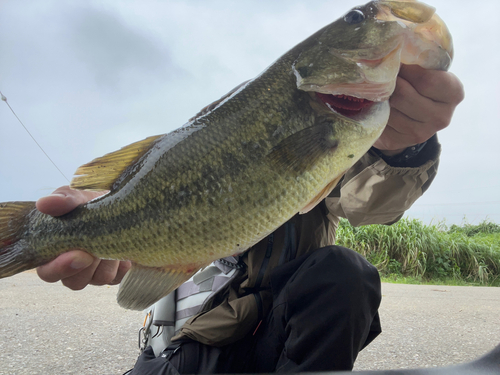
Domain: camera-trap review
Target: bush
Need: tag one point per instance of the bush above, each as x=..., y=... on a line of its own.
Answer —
x=429, y=252
x=485, y=227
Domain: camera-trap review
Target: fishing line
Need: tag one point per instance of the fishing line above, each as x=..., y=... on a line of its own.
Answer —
x=18, y=119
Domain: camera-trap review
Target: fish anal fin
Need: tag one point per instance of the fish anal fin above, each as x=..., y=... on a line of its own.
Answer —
x=322, y=195
x=143, y=286
x=300, y=151
x=102, y=172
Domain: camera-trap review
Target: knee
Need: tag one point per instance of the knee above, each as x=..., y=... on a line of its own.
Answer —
x=347, y=269
x=344, y=260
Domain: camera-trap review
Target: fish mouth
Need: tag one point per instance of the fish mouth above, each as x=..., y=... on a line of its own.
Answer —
x=374, y=81
x=345, y=105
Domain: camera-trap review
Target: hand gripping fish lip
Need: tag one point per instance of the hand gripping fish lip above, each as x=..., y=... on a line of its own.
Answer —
x=417, y=36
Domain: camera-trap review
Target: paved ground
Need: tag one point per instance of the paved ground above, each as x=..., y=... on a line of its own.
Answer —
x=427, y=326
x=47, y=329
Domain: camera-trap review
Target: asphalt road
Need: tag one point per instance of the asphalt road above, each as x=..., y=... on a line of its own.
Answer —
x=47, y=329
x=429, y=326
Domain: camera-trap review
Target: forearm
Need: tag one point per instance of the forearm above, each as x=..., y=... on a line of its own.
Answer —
x=375, y=192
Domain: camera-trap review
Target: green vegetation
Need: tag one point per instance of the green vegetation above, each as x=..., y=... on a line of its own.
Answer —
x=410, y=251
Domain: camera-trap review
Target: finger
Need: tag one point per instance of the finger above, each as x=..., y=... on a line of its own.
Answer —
x=83, y=278
x=122, y=270
x=402, y=131
x=437, y=85
x=394, y=141
x=105, y=272
x=65, y=265
x=63, y=200
x=408, y=101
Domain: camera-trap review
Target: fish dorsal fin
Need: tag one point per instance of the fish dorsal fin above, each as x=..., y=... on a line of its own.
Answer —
x=101, y=173
x=300, y=151
x=216, y=103
x=142, y=286
x=322, y=195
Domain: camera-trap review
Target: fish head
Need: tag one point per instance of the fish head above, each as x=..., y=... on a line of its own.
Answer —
x=358, y=57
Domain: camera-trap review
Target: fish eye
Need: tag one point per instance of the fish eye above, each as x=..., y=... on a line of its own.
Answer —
x=354, y=16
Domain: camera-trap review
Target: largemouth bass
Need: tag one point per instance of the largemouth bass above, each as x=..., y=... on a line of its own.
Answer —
x=272, y=148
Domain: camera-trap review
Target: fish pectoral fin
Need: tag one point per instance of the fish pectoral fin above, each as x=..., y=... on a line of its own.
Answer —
x=322, y=195
x=143, y=286
x=101, y=173
x=300, y=151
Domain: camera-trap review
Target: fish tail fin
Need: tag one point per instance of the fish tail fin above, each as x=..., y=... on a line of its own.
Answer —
x=15, y=255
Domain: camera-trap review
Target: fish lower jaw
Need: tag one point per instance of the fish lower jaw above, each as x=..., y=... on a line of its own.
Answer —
x=375, y=92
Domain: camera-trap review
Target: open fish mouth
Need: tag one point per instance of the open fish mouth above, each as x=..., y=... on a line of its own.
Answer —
x=409, y=32
x=348, y=106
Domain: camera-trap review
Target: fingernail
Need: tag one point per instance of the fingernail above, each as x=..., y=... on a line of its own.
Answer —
x=79, y=264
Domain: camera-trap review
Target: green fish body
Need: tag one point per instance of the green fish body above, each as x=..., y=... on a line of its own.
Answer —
x=270, y=149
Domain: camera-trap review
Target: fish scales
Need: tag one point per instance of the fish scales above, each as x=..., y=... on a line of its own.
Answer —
x=235, y=172
x=132, y=225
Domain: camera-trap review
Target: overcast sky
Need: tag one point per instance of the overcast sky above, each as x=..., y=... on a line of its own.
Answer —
x=88, y=77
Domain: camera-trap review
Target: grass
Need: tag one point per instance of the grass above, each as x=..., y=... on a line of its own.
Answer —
x=411, y=252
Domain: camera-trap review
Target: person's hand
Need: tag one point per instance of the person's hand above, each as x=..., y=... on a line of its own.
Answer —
x=76, y=268
x=422, y=104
